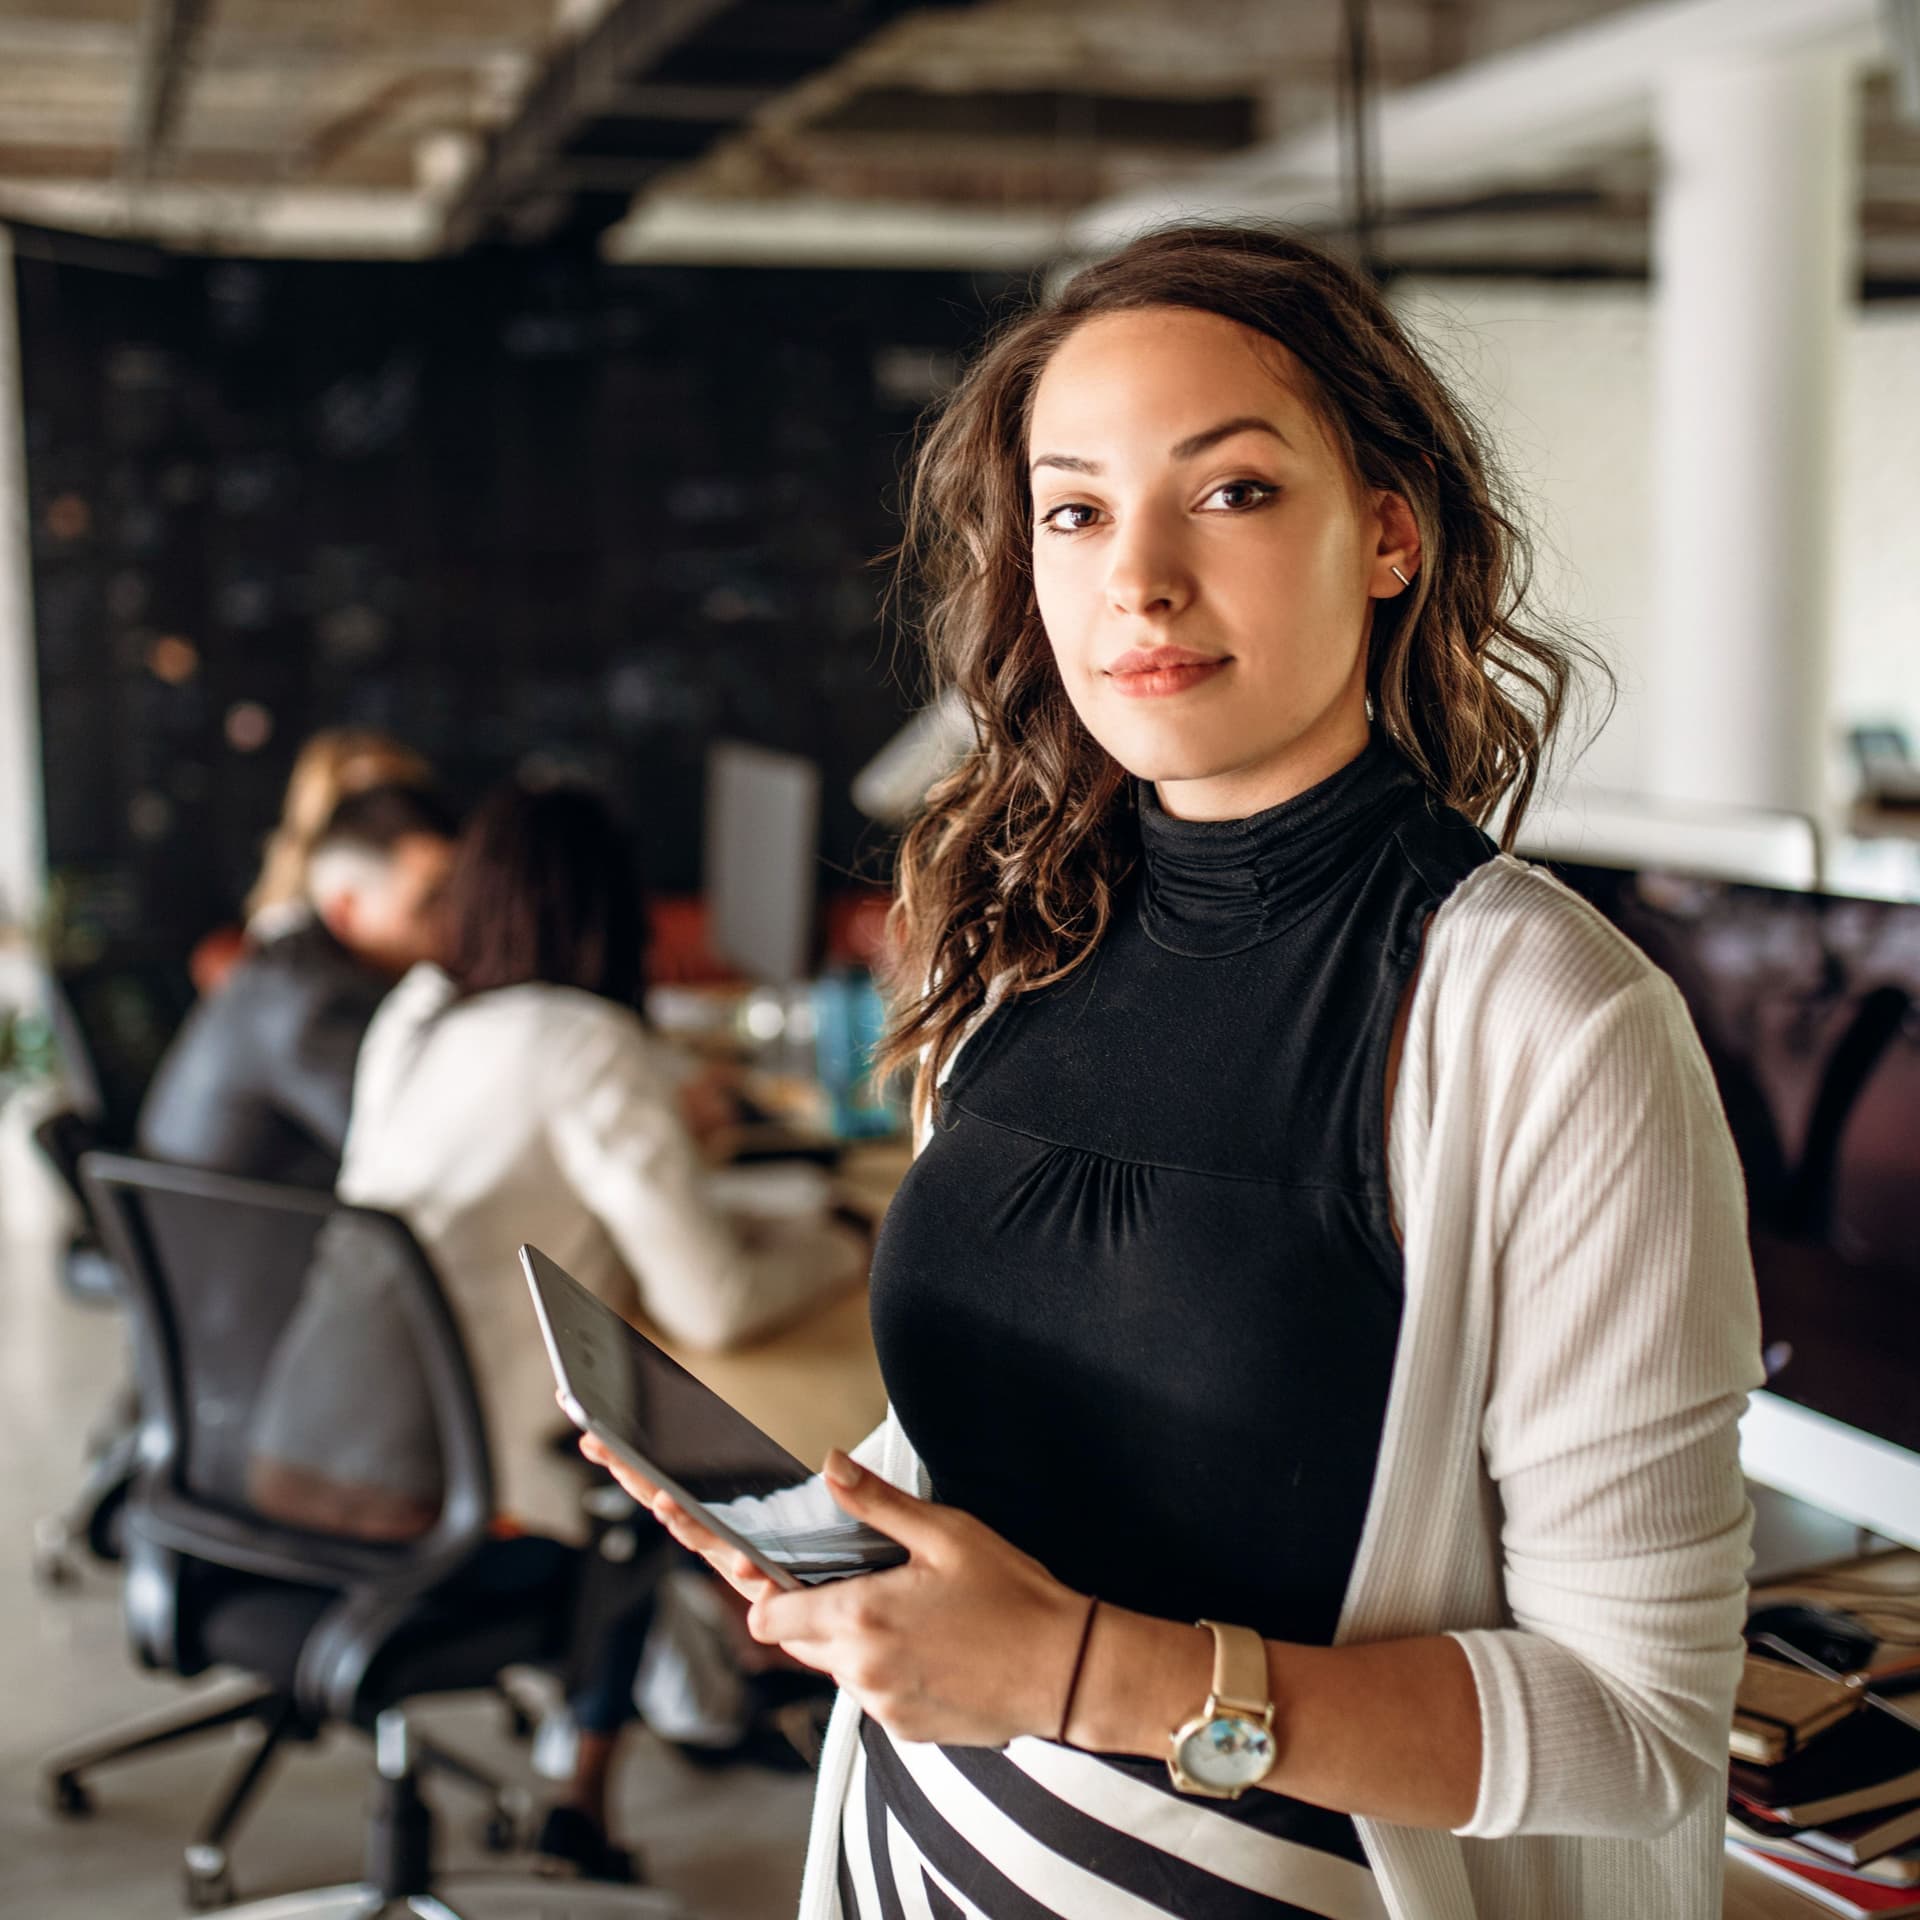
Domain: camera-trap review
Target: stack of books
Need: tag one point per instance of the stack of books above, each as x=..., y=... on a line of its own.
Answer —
x=1824, y=1790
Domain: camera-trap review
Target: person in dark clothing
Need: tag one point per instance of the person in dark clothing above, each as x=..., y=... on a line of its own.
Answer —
x=259, y=1080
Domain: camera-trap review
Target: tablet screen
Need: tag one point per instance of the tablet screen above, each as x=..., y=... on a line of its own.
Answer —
x=683, y=1430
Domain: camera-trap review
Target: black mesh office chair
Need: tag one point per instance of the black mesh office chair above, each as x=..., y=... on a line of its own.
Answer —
x=333, y=1630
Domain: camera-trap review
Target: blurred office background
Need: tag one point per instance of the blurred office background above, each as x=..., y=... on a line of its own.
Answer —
x=532, y=379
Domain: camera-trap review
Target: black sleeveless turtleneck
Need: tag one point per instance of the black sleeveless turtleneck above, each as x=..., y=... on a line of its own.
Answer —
x=1137, y=1301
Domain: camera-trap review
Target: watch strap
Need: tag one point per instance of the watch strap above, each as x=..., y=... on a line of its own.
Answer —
x=1240, y=1669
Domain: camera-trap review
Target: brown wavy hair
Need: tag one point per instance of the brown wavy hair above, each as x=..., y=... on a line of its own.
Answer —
x=1008, y=876
x=545, y=887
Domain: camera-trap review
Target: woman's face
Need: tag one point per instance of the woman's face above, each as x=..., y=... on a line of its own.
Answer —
x=1205, y=563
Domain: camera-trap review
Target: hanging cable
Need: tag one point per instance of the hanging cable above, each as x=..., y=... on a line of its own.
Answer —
x=1357, y=143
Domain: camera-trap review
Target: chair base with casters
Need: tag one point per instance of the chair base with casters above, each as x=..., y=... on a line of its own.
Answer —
x=207, y=1867
x=398, y=1877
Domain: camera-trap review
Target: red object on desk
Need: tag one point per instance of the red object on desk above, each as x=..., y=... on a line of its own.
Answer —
x=1846, y=1894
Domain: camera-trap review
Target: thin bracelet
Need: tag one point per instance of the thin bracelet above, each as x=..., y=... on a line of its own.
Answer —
x=1079, y=1661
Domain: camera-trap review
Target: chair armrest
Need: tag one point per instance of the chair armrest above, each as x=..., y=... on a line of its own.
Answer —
x=249, y=1545
x=344, y=1644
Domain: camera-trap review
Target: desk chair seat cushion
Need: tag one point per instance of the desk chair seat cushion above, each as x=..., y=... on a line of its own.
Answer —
x=512, y=1606
x=258, y=1626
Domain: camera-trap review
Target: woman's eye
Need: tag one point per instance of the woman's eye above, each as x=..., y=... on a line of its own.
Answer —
x=1070, y=517
x=1239, y=496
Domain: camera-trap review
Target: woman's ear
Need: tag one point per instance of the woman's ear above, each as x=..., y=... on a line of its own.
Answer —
x=1396, y=562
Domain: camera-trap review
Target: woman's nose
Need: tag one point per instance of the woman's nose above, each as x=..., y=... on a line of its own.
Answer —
x=1146, y=573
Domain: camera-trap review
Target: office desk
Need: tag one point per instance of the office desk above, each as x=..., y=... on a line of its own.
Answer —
x=815, y=1384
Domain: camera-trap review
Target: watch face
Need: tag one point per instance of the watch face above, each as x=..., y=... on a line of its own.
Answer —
x=1227, y=1752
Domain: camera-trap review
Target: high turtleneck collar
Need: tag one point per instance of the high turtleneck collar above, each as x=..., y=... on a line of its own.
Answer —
x=1219, y=886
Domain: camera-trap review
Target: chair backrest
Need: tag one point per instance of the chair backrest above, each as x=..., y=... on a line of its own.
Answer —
x=223, y=1279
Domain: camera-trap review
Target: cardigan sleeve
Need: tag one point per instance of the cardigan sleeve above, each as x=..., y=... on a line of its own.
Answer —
x=1626, y=1337
x=703, y=1279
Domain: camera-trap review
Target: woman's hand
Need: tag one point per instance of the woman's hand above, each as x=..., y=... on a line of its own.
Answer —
x=971, y=1643
x=726, y=1560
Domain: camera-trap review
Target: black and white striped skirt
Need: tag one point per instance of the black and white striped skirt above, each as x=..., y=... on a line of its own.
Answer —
x=1045, y=1832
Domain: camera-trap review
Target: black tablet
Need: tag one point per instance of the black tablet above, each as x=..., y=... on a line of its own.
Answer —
x=647, y=1408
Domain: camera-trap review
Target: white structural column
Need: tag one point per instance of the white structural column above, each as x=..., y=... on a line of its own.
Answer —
x=1754, y=248
x=22, y=841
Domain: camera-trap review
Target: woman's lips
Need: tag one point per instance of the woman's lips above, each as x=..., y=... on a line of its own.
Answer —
x=1154, y=674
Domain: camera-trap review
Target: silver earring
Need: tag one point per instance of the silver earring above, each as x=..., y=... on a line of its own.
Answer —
x=1398, y=575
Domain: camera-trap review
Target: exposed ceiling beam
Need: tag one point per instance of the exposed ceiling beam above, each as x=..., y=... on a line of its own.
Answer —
x=1218, y=122
x=656, y=82
x=170, y=33
x=721, y=104
x=581, y=83
x=830, y=232
x=302, y=223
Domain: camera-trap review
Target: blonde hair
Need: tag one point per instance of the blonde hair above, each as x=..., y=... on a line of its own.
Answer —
x=334, y=763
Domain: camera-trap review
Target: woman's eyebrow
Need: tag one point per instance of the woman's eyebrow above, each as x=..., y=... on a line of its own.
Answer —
x=1195, y=443
x=1244, y=423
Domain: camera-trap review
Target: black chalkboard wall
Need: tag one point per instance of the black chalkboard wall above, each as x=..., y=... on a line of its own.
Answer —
x=514, y=509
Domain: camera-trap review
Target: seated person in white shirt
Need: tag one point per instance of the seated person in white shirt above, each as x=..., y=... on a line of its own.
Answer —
x=514, y=1093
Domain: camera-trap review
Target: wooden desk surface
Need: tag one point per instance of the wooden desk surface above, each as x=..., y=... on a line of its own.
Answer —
x=816, y=1384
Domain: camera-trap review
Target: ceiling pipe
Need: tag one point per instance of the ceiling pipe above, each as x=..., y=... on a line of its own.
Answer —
x=1527, y=114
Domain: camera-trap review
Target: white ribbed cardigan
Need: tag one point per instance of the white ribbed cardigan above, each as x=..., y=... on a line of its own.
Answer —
x=1559, y=1482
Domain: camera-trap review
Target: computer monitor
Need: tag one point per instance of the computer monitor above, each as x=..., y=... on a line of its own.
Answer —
x=1808, y=1005
x=762, y=862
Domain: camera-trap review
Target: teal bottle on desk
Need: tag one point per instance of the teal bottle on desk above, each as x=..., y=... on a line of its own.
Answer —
x=849, y=1018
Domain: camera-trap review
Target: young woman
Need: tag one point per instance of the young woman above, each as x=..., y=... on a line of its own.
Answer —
x=1328, y=1229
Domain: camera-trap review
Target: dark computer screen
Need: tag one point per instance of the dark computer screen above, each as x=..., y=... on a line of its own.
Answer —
x=1809, y=1008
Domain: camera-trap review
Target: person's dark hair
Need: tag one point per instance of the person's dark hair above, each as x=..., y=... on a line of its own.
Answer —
x=545, y=888
x=376, y=820
x=1009, y=874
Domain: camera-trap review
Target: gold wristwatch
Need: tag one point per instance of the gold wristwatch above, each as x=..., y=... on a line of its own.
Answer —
x=1228, y=1746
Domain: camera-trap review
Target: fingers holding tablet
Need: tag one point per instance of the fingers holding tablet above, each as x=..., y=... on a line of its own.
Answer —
x=629, y=1476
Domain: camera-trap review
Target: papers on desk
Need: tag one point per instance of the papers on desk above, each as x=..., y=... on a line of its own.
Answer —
x=771, y=1190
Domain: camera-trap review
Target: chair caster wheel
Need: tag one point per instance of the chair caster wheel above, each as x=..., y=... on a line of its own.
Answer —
x=208, y=1883
x=55, y=1572
x=55, y=1563
x=68, y=1797
x=208, y=1894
